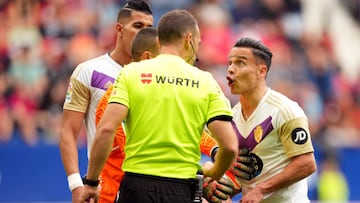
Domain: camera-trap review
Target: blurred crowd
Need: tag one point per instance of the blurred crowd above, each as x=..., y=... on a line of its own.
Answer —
x=316, y=47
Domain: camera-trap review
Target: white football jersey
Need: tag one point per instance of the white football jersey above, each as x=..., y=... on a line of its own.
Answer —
x=276, y=131
x=88, y=83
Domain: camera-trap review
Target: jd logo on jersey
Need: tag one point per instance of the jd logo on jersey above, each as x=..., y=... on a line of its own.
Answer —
x=299, y=136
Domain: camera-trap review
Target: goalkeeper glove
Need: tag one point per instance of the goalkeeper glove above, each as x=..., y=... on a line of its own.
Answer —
x=246, y=166
x=217, y=191
x=243, y=167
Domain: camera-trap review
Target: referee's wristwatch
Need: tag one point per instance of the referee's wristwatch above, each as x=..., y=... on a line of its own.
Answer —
x=93, y=183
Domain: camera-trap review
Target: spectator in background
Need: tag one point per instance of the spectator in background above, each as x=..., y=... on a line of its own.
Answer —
x=58, y=72
x=333, y=20
x=332, y=185
x=28, y=79
x=6, y=119
x=244, y=10
x=88, y=83
x=26, y=70
x=216, y=34
x=217, y=38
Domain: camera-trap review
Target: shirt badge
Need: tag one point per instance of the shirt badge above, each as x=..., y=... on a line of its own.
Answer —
x=258, y=133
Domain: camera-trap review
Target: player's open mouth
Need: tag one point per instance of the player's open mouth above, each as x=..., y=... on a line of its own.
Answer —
x=230, y=81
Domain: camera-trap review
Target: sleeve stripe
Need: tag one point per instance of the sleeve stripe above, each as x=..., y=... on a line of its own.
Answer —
x=221, y=118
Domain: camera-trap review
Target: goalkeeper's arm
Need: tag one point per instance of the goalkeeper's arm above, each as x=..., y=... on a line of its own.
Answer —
x=208, y=144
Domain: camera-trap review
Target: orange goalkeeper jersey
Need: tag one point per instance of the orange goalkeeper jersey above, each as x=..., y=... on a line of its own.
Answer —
x=111, y=174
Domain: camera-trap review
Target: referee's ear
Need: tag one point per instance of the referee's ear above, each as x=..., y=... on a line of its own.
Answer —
x=187, y=40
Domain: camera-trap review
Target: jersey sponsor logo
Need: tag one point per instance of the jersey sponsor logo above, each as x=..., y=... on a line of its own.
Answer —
x=69, y=93
x=146, y=78
x=299, y=136
x=177, y=81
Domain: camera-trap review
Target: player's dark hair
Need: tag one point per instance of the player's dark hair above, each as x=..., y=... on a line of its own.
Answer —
x=145, y=40
x=134, y=5
x=259, y=50
x=174, y=24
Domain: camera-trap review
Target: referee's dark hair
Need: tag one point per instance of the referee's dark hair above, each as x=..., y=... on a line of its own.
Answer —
x=134, y=5
x=259, y=50
x=173, y=25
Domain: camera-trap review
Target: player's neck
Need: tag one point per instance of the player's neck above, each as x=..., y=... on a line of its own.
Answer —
x=120, y=57
x=171, y=49
x=249, y=102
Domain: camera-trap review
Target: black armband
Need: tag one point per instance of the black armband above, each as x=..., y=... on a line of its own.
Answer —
x=221, y=118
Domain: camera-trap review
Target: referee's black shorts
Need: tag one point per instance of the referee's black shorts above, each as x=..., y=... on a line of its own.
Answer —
x=139, y=188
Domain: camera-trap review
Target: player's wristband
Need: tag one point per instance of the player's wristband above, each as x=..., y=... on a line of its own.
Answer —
x=74, y=181
x=213, y=153
x=93, y=183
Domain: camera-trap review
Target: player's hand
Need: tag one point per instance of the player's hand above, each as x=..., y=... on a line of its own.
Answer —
x=243, y=167
x=76, y=193
x=217, y=191
x=253, y=196
x=89, y=195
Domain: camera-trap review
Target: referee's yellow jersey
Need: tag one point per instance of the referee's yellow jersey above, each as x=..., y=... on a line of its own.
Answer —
x=169, y=103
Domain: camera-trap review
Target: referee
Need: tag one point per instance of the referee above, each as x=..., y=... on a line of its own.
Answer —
x=165, y=102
